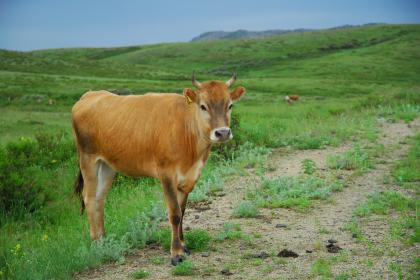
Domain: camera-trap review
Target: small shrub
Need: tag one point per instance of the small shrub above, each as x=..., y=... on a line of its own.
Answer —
x=322, y=267
x=246, y=209
x=354, y=159
x=342, y=276
x=407, y=170
x=142, y=227
x=110, y=248
x=198, y=239
x=230, y=231
x=308, y=166
x=382, y=203
x=140, y=274
x=27, y=171
x=184, y=268
x=163, y=237
x=158, y=261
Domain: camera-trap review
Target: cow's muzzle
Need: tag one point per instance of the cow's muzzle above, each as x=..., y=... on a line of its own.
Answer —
x=221, y=134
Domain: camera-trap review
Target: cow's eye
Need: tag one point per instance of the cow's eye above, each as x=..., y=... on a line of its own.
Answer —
x=202, y=107
x=230, y=106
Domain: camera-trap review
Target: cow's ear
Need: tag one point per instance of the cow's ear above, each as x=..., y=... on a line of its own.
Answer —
x=190, y=95
x=237, y=93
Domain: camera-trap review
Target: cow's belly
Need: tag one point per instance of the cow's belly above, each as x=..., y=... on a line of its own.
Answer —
x=134, y=166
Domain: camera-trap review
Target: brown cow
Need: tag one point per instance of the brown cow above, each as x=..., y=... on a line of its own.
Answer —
x=165, y=136
x=291, y=98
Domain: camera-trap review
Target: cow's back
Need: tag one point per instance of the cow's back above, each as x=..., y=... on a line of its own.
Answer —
x=134, y=133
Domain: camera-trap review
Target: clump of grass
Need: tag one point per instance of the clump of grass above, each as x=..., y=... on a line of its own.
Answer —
x=308, y=166
x=249, y=155
x=230, y=231
x=184, y=268
x=163, y=238
x=322, y=267
x=342, y=276
x=354, y=159
x=292, y=192
x=407, y=226
x=245, y=156
x=246, y=209
x=354, y=228
x=110, y=248
x=158, y=260
x=407, y=170
x=397, y=269
x=139, y=274
x=197, y=239
x=382, y=203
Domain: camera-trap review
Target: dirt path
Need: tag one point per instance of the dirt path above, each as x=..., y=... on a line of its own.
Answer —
x=277, y=229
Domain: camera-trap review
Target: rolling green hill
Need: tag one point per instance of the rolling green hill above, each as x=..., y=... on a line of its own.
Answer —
x=311, y=63
x=354, y=62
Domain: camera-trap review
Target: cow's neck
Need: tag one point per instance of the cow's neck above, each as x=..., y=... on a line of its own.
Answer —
x=199, y=146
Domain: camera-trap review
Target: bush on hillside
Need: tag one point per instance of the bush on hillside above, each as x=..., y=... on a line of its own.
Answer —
x=26, y=169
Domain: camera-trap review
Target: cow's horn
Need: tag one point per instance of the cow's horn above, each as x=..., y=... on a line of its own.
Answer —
x=195, y=83
x=231, y=80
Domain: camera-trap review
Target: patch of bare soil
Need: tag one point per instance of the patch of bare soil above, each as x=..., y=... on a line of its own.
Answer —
x=285, y=243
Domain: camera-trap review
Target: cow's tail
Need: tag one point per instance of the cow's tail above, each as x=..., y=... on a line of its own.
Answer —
x=78, y=189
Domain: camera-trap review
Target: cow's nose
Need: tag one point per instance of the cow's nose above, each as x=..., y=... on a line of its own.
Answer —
x=222, y=133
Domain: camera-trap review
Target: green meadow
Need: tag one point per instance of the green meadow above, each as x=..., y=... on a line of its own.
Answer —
x=348, y=80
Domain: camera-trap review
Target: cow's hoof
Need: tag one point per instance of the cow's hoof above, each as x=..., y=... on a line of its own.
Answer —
x=187, y=251
x=176, y=260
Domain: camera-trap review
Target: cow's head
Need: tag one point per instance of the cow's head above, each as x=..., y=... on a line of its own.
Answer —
x=213, y=102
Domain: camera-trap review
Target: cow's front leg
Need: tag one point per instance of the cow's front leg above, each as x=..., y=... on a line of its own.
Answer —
x=175, y=216
x=182, y=201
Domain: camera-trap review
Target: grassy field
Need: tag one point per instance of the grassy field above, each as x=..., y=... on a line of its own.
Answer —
x=348, y=80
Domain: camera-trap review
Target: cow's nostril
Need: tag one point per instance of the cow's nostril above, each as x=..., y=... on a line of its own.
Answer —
x=222, y=133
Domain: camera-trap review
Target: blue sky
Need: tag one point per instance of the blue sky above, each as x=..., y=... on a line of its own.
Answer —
x=40, y=24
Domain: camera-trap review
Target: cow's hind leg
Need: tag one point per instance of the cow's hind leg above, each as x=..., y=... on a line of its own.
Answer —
x=174, y=215
x=98, y=178
x=105, y=177
x=89, y=169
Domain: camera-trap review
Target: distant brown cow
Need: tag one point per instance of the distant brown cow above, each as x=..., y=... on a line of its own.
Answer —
x=165, y=136
x=291, y=98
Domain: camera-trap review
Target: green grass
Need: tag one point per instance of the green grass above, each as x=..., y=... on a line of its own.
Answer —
x=197, y=240
x=140, y=274
x=293, y=192
x=405, y=226
x=308, y=166
x=322, y=267
x=382, y=203
x=230, y=231
x=406, y=171
x=185, y=268
x=245, y=209
x=218, y=167
x=128, y=225
x=343, y=276
x=354, y=159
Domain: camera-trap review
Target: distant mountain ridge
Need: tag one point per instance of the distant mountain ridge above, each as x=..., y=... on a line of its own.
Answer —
x=247, y=34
